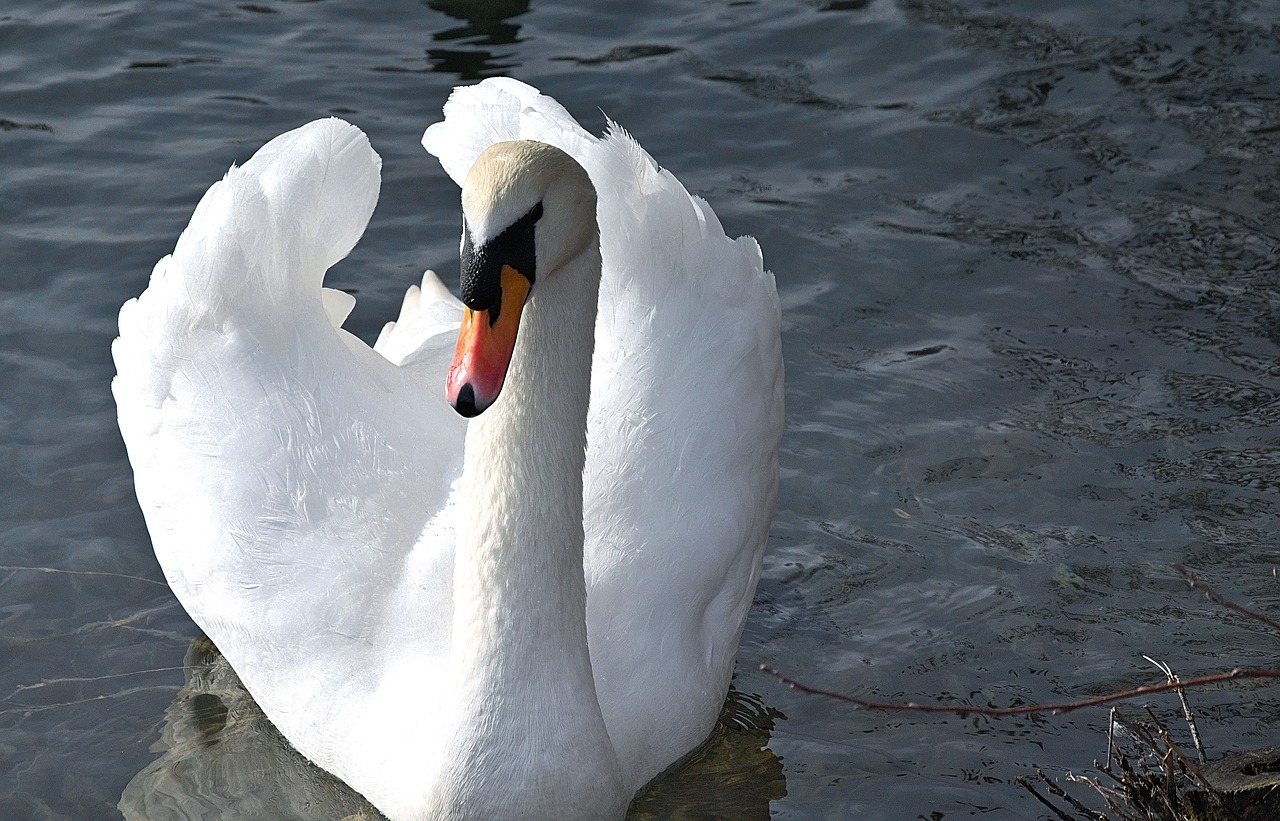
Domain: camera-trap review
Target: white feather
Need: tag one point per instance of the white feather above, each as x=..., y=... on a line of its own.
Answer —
x=301, y=489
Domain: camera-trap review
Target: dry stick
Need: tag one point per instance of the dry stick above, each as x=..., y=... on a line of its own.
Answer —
x=1025, y=783
x=1111, y=735
x=1138, y=731
x=1106, y=793
x=1062, y=794
x=1121, y=795
x=1187, y=715
x=1218, y=599
x=1107, y=772
x=998, y=712
x=1169, y=794
x=1191, y=724
x=1144, y=737
x=1174, y=749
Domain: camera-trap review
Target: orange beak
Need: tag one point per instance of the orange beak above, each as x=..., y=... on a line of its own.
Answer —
x=485, y=344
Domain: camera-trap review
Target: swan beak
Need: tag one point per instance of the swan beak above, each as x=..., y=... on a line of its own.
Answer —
x=485, y=343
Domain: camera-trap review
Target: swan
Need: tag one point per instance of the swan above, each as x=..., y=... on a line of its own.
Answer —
x=498, y=565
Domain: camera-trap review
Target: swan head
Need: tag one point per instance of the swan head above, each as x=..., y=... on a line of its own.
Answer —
x=528, y=209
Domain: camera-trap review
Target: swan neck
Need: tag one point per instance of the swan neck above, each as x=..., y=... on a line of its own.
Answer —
x=520, y=657
x=519, y=568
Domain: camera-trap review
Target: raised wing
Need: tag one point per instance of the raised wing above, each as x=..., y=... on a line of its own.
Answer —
x=285, y=469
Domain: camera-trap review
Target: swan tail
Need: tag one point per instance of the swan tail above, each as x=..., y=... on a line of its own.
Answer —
x=428, y=310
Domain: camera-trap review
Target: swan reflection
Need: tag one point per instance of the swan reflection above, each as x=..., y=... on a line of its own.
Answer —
x=221, y=758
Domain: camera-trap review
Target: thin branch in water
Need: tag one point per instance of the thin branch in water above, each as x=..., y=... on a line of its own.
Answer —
x=30, y=710
x=11, y=568
x=1027, y=709
x=1109, y=795
x=1111, y=738
x=1221, y=600
x=1107, y=769
x=1025, y=783
x=1187, y=715
x=1175, y=750
x=69, y=680
x=1138, y=731
x=1062, y=794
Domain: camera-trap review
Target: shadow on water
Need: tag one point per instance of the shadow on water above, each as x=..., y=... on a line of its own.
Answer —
x=222, y=758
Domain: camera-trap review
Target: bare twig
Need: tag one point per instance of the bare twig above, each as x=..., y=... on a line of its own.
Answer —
x=1109, y=795
x=1186, y=707
x=1163, y=735
x=1107, y=772
x=1025, y=783
x=13, y=568
x=1111, y=737
x=1218, y=599
x=1026, y=709
x=1062, y=794
x=1138, y=731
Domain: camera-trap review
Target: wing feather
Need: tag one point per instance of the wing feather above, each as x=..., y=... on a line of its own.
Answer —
x=281, y=463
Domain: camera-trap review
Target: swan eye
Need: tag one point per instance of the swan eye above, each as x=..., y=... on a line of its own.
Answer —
x=481, y=280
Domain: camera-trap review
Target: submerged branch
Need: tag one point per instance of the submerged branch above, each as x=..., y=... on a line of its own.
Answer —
x=14, y=568
x=1222, y=601
x=1173, y=682
x=1026, y=709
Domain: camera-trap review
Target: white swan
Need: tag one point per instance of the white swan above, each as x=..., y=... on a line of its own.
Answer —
x=305, y=493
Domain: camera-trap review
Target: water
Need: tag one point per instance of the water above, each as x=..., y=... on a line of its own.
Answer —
x=1030, y=284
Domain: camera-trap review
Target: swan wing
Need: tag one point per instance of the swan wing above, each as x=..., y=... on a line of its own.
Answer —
x=683, y=431
x=288, y=472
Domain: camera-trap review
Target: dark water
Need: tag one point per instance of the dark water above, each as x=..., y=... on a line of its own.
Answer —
x=1031, y=286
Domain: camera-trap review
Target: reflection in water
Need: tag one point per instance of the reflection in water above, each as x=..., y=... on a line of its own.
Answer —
x=486, y=25
x=734, y=775
x=222, y=758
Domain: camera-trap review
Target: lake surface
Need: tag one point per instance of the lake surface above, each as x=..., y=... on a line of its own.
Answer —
x=1030, y=270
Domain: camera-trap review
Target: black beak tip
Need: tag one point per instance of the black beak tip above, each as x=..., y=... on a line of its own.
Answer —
x=465, y=404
